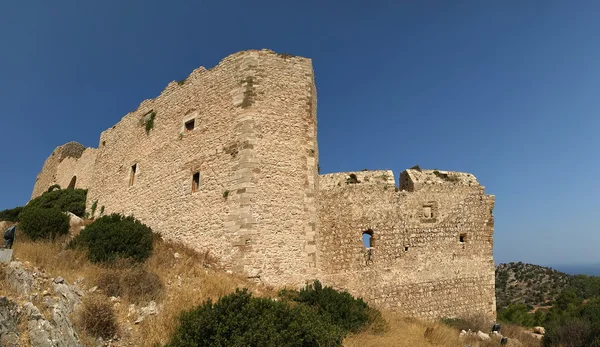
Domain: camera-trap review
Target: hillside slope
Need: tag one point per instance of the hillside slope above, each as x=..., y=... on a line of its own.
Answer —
x=187, y=280
x=528, y=284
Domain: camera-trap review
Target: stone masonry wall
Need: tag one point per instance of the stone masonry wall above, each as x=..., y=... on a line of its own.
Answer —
x=66, y=162
x=254, y=132
x=418, y=266
x=242, y=183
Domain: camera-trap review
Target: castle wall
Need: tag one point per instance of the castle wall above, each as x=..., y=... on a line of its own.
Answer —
x=69, y=163
x=253, y=129
x=419, y=266
x=242, y=183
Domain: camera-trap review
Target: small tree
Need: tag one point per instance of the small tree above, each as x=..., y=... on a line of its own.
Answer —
x=113, y=237
x=241, y=320
x=343, y=309
x=11, y=215
x=43, y=223
x=68, y=200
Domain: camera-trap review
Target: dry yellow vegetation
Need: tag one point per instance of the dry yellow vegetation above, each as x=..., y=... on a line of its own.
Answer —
x=189, y=279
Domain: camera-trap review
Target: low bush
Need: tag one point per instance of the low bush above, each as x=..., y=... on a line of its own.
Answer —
x=97, y=316
x=114, y=237
x=569, y=332
x=43, y=223
x=239, y=319
x=519, y=314
x=66, y=200
x=11, y=215
x=341, y=308
x=136, y=284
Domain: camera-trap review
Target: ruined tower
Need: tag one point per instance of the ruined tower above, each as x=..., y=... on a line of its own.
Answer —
x=226, y=161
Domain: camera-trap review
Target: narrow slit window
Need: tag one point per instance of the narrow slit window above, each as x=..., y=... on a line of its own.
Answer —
x=462, y=238
x=132, y=175
x=189, y=125
x=195, y=182
x=72, y=183
x=367, y=238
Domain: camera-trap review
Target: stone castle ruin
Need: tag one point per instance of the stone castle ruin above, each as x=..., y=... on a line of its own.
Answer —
x=227, y=161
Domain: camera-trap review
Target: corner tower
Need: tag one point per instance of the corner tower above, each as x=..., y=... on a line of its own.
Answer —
x=70, y=166
x=224, y=161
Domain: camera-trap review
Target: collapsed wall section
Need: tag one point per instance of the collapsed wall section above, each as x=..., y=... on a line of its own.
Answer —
x=70, y=166
x=431, y=254
x=222, y=162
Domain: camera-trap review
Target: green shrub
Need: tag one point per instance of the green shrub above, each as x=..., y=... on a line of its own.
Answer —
x=239, y=319
x=67, y=200
x=519, y=314
x=574, y=332
x=43, y=223
x=94, y=207
x=115, y=237
x=342, y=308
x=11, y=215
x=149, y=123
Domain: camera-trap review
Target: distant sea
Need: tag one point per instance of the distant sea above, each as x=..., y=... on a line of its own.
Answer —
x=572, y=269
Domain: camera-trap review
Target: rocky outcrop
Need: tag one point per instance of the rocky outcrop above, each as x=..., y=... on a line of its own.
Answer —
x=58, y=301
x=75, y=222
x=9, y=318
x=19, y=279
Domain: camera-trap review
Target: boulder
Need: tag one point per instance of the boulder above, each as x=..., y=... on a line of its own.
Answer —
x=9, y=318
x=539, y=330
x=71, y=295
x=19, y=279
x=75, y=221
x=146, y=311
x=483, y=336
x=63, y=331
x=9, y=340
x=38, y=327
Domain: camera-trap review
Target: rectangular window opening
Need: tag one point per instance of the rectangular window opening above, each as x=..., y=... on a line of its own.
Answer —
x=405, y=248
x=189, y=125
x=462, y=238
x=195, y=182
x=132, y=175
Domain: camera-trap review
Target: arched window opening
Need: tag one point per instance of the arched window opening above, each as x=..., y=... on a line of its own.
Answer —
x=367, y=237
x=72, y=184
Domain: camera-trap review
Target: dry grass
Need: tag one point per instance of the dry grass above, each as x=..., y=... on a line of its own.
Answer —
x=406, y=332
x=409, y=332
x=97, y=317
x=179, y=284
x=176, y=284
x=519, y=333
x=136, y=284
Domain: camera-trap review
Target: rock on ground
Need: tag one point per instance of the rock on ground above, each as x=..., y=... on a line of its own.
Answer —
x=19, y=279
x=55, y=331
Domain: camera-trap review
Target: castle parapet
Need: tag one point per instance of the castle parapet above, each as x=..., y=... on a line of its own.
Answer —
x=365, y=177
x=414, y=179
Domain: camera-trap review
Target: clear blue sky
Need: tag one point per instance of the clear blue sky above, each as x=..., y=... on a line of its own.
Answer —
x=507, y=90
